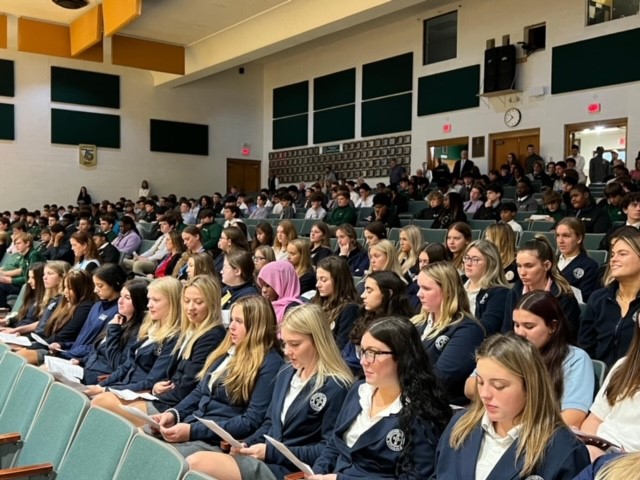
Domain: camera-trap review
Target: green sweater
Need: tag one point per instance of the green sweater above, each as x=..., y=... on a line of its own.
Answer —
x=23, y=262
x=211, y=235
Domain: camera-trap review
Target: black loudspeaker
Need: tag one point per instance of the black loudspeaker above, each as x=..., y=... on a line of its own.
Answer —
x=490, y=70
x=506, y=67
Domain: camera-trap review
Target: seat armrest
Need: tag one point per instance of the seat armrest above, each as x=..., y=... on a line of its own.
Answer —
x=10, y=438
x=28, y=471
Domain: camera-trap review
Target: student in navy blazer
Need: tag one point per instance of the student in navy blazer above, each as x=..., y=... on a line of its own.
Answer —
x=486, y=285
x=121, y=333
x=449, y=332
x=514, y=418
x=581, y=271
x=390, y=423
x=147, y=360
x=236, y=382
x=308, y=395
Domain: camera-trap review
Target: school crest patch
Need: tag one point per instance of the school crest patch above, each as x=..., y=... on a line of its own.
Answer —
x=441, y=342
x=395, y=440
x=318, y=401
x=578, y=273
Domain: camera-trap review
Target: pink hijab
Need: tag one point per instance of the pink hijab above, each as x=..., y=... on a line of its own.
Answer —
x=281, y=276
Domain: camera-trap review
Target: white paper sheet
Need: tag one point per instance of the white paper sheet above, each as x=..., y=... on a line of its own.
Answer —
x=131, y=395
x=70, y=382
x=142, y=416
x=221, y=432
x=55, y=364
x=287, y=453
x=42, y=341
x=14, y=339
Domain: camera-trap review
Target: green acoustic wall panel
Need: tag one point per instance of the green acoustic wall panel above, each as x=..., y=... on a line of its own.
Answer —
x=179, y=137
x=7, y=79
x=85, y=88
x=386, y=77
x=291, y=131
x=334, y=124
x=335, y=89
x=73, y=128
x=448, y=91
x=386, y=115
x=7, y=122
x=291, y=99
x=612, y=60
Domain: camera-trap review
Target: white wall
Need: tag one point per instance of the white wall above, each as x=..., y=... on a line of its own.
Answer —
x=478, y=20
x=35, y=172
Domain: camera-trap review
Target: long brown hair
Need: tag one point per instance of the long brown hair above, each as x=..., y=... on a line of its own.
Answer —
x=80, y=283
x=83, y=238
x=344, y=292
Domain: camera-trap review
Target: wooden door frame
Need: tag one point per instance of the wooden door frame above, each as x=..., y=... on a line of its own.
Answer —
x=613, y=122
x=507, y=135
x=245, y=161
x=443, y=142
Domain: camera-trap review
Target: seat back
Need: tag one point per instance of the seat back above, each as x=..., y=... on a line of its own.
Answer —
x=98, y=447
x=19, y=299
x=193, y=475
x=148, y=457
x=600, y=370
x=10, y=367
x=433, y=235
x=54, y=427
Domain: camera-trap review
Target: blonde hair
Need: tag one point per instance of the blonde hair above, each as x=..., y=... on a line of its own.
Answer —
x=311, y=321
x=209, y=288
x=242, y=370
x=540, y=417
x=414, y=236
x=503, y=237
x=628, y=235
x=624, y=467
x=393, y=265
x=303, y=246
x=169, y=288
x=289, y=230
x=494, y=272
x=61, y=268
x=455, y=302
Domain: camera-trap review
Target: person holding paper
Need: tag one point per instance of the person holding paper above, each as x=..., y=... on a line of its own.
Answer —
x=308, y=395
x=121, y=333
x=236, y=382
x=147, y=360
x=201, y=332
x=390, y=423
x=67, y=320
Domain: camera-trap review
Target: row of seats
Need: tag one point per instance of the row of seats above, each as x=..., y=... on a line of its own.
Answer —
x=48, y=428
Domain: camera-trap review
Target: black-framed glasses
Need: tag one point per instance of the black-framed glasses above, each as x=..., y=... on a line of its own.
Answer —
x=471, y=260
x=369, y=354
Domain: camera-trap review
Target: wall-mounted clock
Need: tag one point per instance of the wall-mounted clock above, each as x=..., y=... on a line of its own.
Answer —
x=512, y=117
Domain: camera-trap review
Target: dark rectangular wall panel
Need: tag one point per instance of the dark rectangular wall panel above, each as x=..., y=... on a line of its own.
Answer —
x=7, y=79
x=448, y=91
x=597, y=55
x=85, y=88
x=335, y=89
x=334, y=124
x=179, y=137
x=386, y=77
x=386, y=115
x=73, y=128
x=291, y=131
x=7, y=122
x=291, y=99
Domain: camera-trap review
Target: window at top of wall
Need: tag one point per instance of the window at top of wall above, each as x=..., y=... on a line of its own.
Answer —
x=440, y=38
x=600, y=11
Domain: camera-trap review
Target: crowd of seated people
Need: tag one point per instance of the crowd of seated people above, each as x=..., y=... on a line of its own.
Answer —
x=351, y=327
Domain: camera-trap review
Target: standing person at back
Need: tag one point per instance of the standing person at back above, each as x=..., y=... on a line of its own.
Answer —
x=598, y=167
x=396, y=172
x=463, y=165
x=532, y=158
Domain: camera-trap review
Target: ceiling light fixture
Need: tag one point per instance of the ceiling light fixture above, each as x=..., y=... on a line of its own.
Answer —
x=71, y=4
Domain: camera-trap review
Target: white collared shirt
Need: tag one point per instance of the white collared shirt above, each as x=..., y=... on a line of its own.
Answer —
x=493, y=446
x=364, y=421
x=471, y=294
x=295, y=387
x=564, y=261
x=217, y=373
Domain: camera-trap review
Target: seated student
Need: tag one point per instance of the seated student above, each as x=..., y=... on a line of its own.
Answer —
x=491, y=208
x=200, y=264
x=612, y=202
x=383, y=256
x=285, y=232
x=232, y=239
x=384, y=210
x=128, y=240
x=121, y=333
x=391, y=421
x=507, y=216
x=201, y=332
x=307, y=398
x=384, y=294
x=13, y=275
x=319, y=236
x=538, y=271
x=107, y=252
x=261, y=256
x=148, y=261
x=552, y=206
x=237, y=280
x=614, y=413
x=337, y=297
x=458, y=238
x=210, y=229
x=452, y=212
x=174, y=261
x=280, y=285
x=67, y=320
x=408, y=249
x=631, y=208
x=288, y=210
x=449, y=332
x=435, y=199
x=350, y=249
x=85, y=251
x=316, y=211
x=575, y=265
x=595, y=219
x=609, y=320
x=474, y=203
x=147, y=360
x=524, y=200
x=504, y=238
x=32, y=306
x=513, y=428
x=236, y=382
x=612, y=466
x=486, y=285
x=373, y=233
x=299, y=255
x=343, y=212
x=192, y=240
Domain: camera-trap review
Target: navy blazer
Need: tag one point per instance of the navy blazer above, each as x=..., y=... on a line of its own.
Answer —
x=583, y=273
x=308, y=423
x=358, y=261
x=237, y=292
x=452, y=355
x=239, y=420
x=143, y=366
x=108, y=355
x=564, y=458
x=344, y=323
x=490, y=304
x=182, y=372
x=376, y=453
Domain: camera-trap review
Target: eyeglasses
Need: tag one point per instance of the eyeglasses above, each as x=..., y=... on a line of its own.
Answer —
x=471, y=260
x=369, y=354
x=258, y=259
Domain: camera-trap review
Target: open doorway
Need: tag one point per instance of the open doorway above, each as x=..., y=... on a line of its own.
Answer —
x=503, y=143
x=448, y=150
